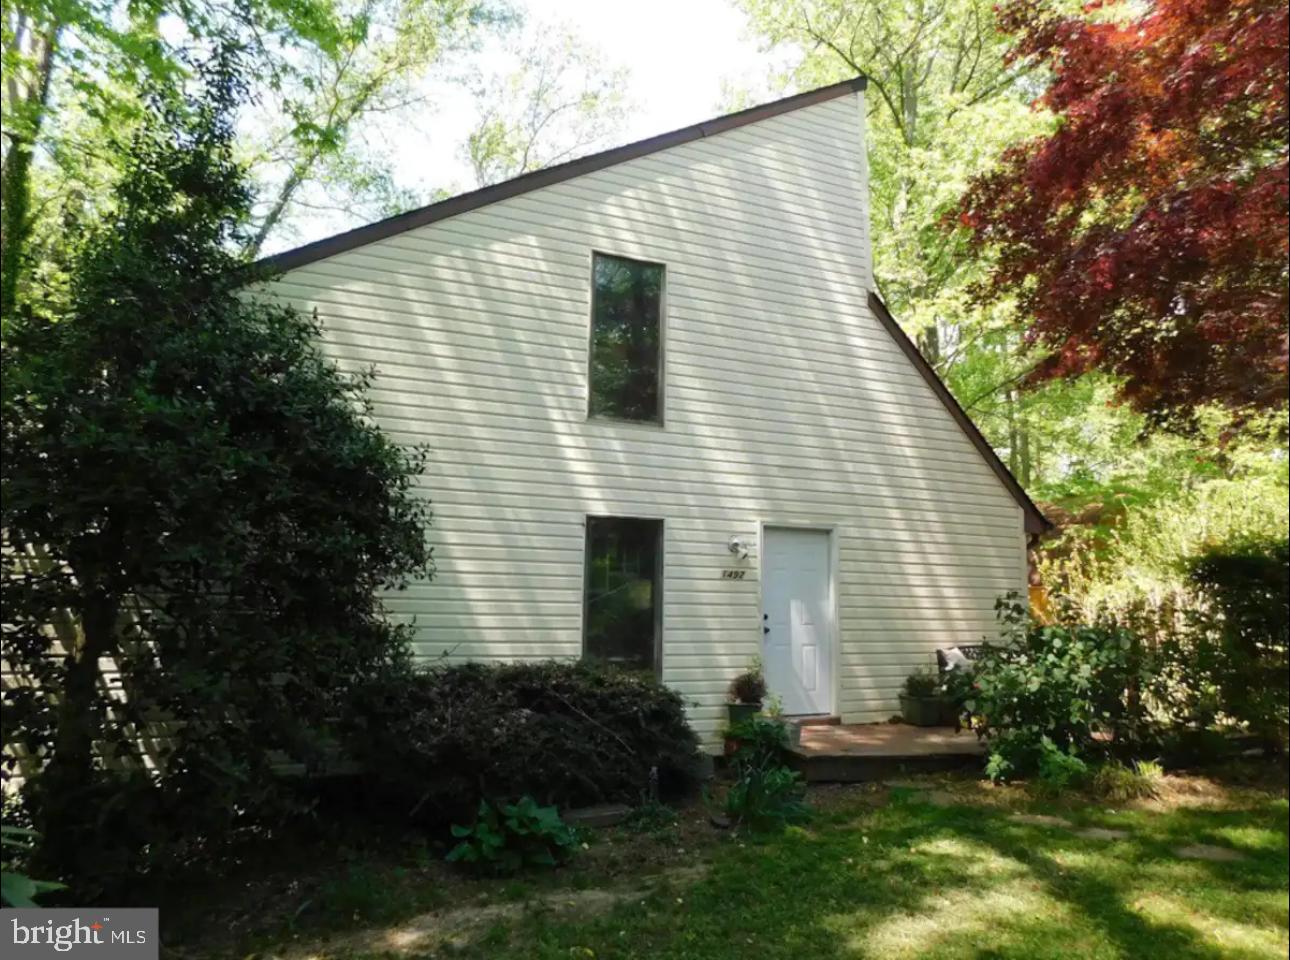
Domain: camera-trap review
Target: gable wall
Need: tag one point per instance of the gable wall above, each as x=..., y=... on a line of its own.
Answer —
x=785, y=402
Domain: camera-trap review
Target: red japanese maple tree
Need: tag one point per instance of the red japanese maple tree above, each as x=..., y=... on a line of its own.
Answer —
x=1147, y=235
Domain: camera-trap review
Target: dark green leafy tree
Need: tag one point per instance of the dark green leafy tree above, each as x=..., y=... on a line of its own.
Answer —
x=198, y=518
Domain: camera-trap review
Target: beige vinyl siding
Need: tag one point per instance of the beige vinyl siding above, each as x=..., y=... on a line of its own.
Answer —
x=785, y=402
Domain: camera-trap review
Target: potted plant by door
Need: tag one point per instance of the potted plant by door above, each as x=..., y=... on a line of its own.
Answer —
x=747, y=691
x=921, y=700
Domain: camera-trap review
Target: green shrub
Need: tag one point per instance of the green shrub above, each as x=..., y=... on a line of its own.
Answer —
x=1117, y=782
x=1059, y=769
x=437, y=742
x=759, y=741
x=765, y=795
x=506, y=837
x=766, y=798
x=1241, y=633
x=198, y=522
x=1048, y=689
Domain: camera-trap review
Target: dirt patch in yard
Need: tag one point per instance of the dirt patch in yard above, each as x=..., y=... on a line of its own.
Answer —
x=456, y=927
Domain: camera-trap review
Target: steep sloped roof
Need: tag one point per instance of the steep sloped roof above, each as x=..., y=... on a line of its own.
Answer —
x=1035, y=521
x=330, y=246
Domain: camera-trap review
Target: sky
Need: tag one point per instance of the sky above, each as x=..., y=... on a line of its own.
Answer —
x=678, y=55
x=675, y=77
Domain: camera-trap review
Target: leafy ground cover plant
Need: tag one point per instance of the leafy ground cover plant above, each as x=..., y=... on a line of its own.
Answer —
x=1059, y=770
x=17, y=889
x=507, y=837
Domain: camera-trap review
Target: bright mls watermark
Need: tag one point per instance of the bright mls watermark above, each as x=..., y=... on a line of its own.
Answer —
x=102, y=933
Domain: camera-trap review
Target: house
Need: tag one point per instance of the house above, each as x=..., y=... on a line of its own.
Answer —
x=671, y=425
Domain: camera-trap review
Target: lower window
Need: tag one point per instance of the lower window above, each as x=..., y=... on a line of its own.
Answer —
x=622, y=611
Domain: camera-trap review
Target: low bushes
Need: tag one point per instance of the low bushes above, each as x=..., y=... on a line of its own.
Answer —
x=1140, y=681
x=436, y=743
x=1239, y=634
x=1048, y=693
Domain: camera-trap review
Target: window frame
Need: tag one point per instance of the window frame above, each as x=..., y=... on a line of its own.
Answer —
x=659, y=569
x=659, y=422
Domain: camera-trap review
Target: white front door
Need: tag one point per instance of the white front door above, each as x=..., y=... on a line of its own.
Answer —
x=797, y=619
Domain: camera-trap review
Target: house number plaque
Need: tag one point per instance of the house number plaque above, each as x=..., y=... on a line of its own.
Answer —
x=734, y=574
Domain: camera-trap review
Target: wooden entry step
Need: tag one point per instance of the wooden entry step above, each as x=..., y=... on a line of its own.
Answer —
x=816, y=721
x=875, y=751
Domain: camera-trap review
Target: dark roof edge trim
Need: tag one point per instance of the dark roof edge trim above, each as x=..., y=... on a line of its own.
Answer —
x=1036, y=522
x=330, y=246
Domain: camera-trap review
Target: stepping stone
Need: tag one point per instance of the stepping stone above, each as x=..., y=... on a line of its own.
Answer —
x=940, y=798
x=1102, y=833
x=1205, y=851
x=1038, y=820
x=604, y=815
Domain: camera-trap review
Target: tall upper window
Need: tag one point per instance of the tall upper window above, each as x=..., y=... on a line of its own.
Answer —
x=626, y=303
x=622, y=616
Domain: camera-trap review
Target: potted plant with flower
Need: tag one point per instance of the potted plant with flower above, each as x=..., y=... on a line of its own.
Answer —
x=922, y=702
x=747, y=691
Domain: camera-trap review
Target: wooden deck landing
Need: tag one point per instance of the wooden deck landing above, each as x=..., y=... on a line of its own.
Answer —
x=872, y=751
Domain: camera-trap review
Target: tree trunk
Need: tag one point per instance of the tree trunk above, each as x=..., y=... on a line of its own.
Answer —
x=15, y=181
x=1023, y=452
x=66, y=782
x=929, y=342
x=1014, y=432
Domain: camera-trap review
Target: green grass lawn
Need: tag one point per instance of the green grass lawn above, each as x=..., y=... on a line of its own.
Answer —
x=879, y=873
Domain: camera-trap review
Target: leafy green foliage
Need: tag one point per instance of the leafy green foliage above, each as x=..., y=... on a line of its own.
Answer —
x=1052, y=689
x=1201, y=579
x=922, y=683
x=766, y=795
x=506, y=837
x=436, y=743
x=759, y=741
x=16, y=888
x=765, y=799
x=1059, y=770
x=1129, y=538
x=1241, y=635
x=197, y=517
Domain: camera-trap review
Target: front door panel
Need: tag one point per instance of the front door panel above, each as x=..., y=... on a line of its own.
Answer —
x=796, y=607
